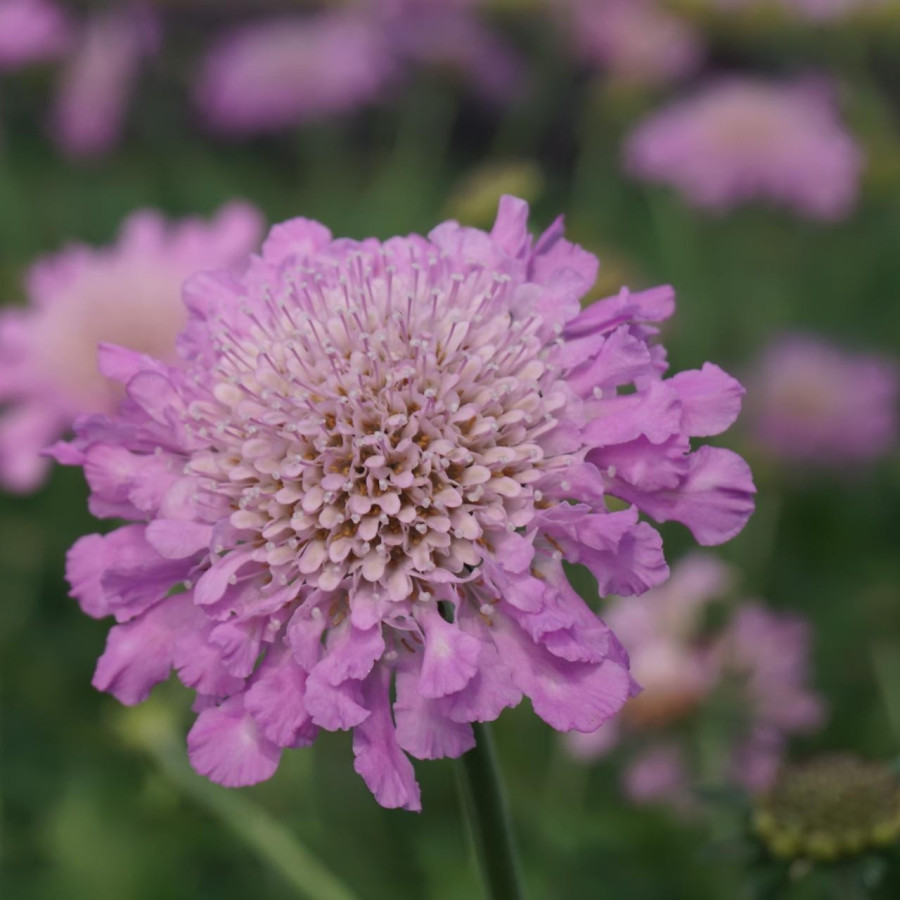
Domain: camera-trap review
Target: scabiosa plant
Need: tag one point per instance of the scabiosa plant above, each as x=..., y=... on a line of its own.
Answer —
x=349, y=499
x=815, y=402
x=743, y=139
x=279, y=72
x=758, y=662
x=97, y=80
x=637, y=41
x=450, y=36
x=30, y=31
x=128, y=293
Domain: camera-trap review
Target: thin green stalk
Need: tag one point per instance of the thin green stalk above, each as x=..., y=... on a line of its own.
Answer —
x=488, y=815
x=268, y=838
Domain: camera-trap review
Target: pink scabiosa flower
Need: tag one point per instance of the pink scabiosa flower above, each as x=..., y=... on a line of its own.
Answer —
x=349, y=500
x=662, y=632
x=31, y=31
x=635, y=40
x=741, y=139
x=813, y=402
x=448, y=35
x=129, y=294
x=281, y=72
x=96, y=82
x=767, y=654
x=756, y=664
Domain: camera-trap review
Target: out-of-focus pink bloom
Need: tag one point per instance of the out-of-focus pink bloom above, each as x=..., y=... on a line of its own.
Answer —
x=812, y=401
x=128, y=294
x=661, y=632
x=450, y=36
x=743, y=139
x=636, y=40
x=660, y=774
x=759, y=660
x=30, y=31
x=358, y=476
x=281, y=72
x=768, y=654
x=97, y=81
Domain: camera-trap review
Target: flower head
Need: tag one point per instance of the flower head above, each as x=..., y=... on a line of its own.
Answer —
x=449, y=36
x=31, y=30
x=281, y=72
x=636, y=40
x=814, y=402
x=757, y=663
x=358, y=476
x=830, y=807
x=742, y=139
x=128, y=294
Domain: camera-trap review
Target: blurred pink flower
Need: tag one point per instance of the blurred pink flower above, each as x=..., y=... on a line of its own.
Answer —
x=98, y=78
x=281, y=72
x=449, y=35
x=128, y=294
x=814, y=10
x=358, y=477
x=812, y=401
x=636, y=40
x=758, y=662
x=661, y=631
x=660, y=774
x=767, y=655
x=742, y=139
x=31, y=31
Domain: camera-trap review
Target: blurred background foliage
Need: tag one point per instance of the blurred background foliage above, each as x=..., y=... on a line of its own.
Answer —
x=96, y=799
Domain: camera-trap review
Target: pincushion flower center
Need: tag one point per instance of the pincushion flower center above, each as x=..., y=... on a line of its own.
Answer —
x=378, y=427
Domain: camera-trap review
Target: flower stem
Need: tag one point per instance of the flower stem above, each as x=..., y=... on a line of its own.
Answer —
x=485, y=804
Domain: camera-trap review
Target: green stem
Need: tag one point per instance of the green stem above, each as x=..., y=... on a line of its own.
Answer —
x=488, y=815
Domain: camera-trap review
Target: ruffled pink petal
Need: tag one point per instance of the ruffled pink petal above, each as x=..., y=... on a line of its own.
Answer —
x=714, y=501
x=653, y=305
x=491, y=690
x=624, y=555
x=295, y=239
x=227, y=747
x=178, y=539
x=619, y=358
x=424, y=730
x=378, y=757
x=120, y=573
x=510, y=229
x=566, y=695
x=710, y=400
x=275, y=700
x=654, y=414
x=125, y=484
x=239, y=644
x=139, y=654
x=451, y=657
